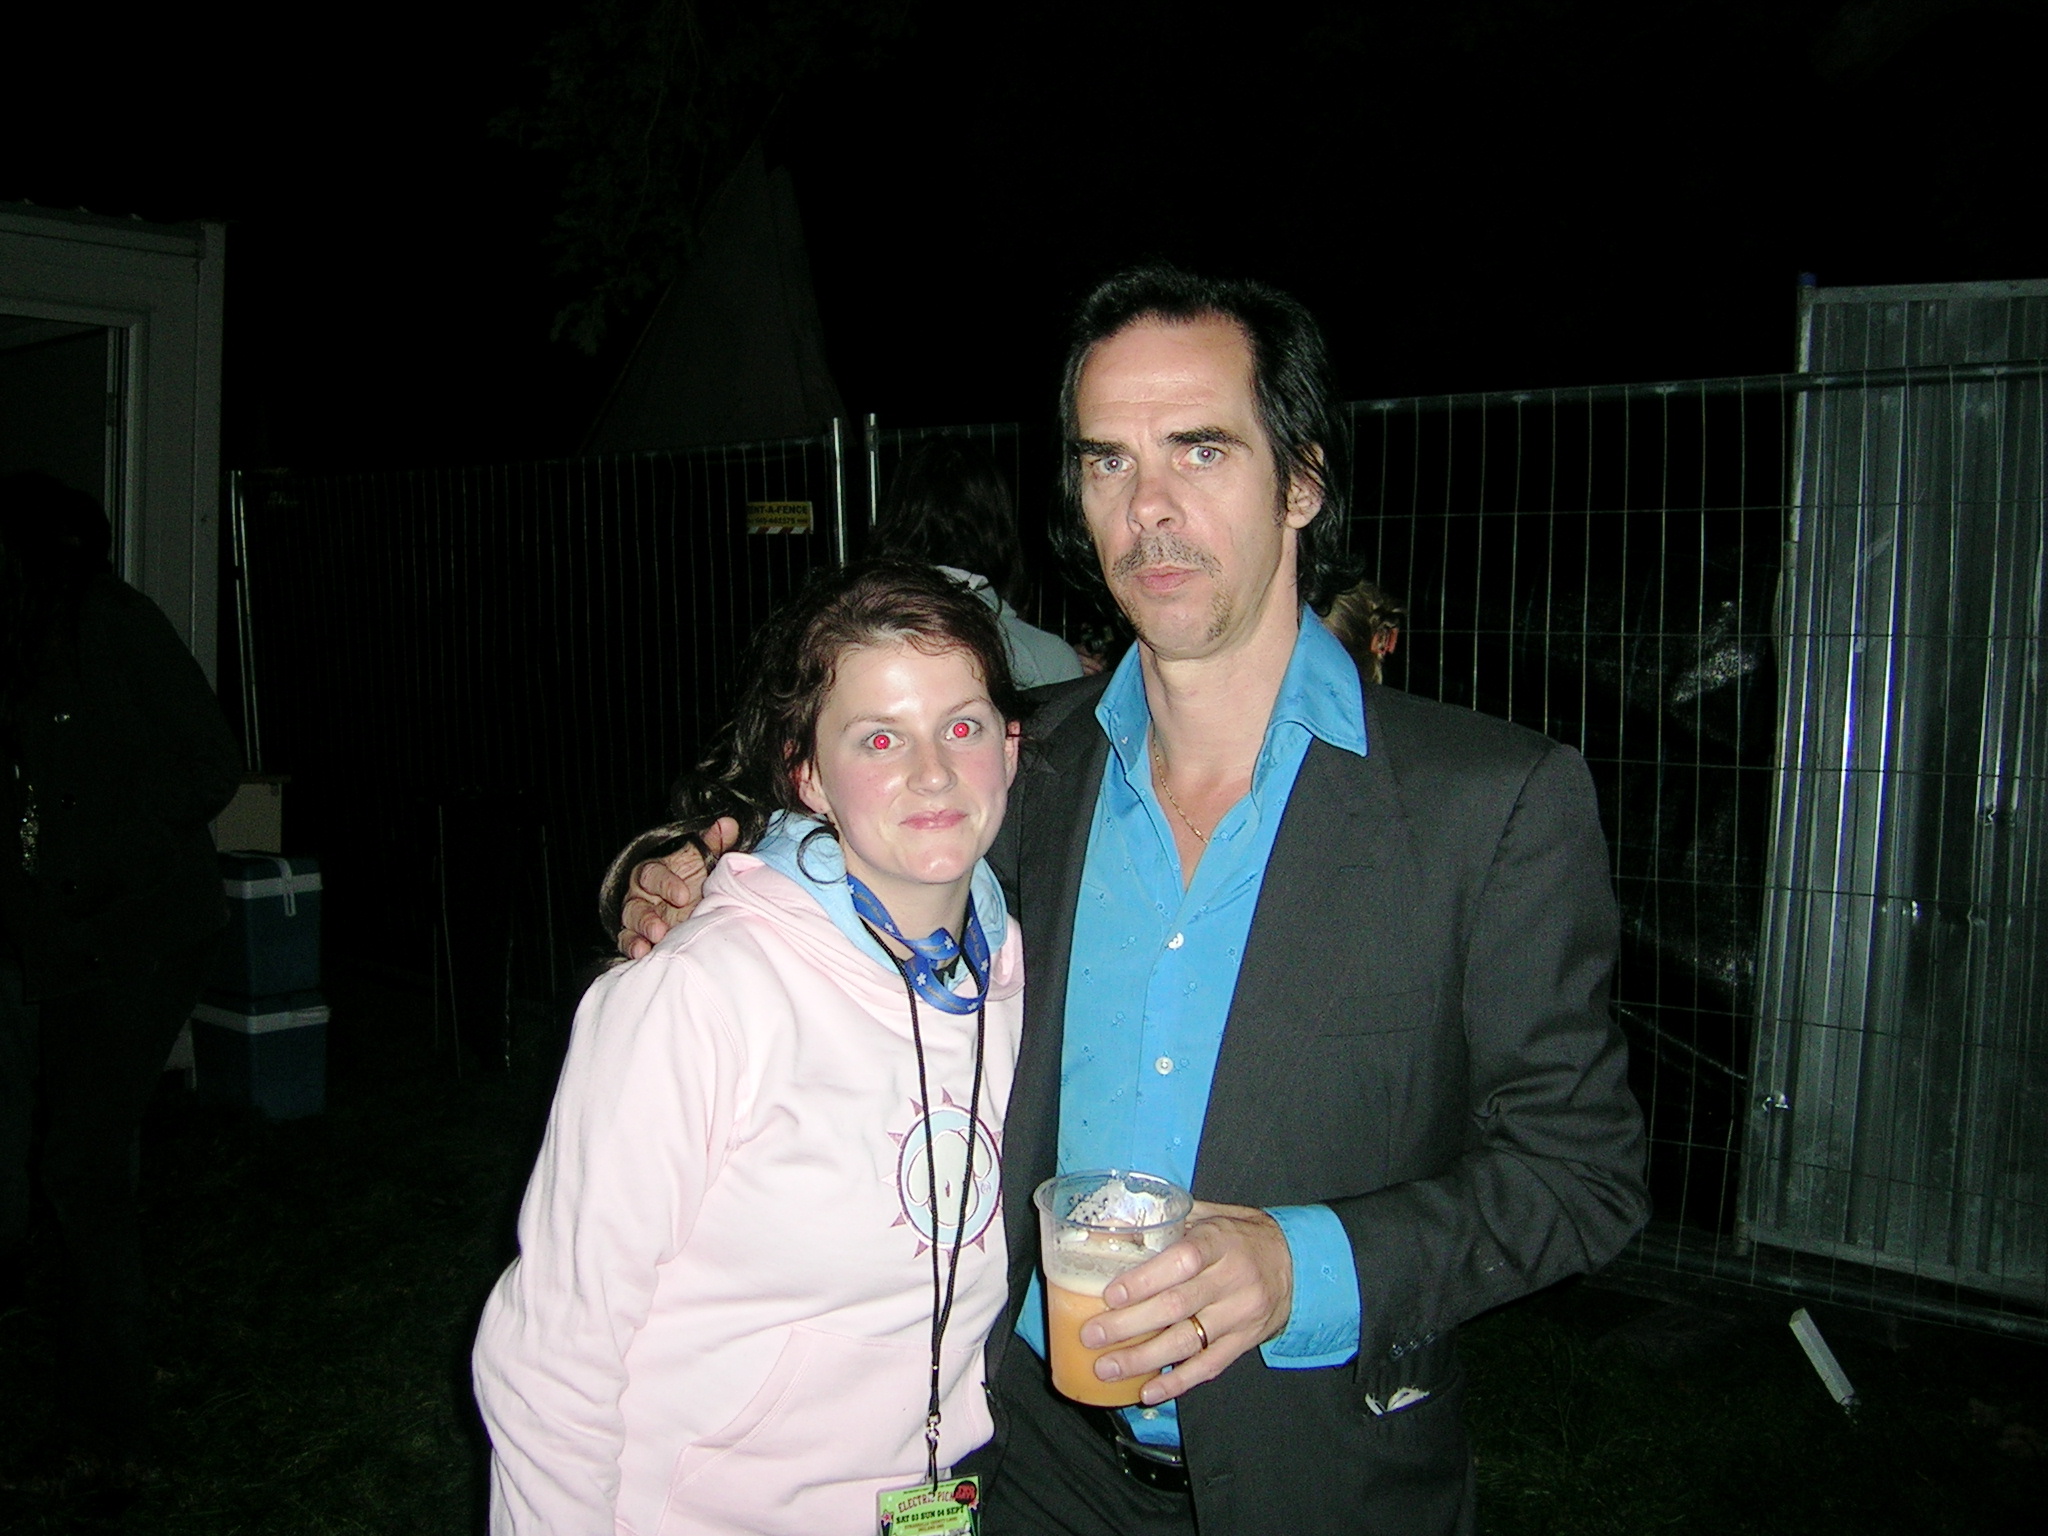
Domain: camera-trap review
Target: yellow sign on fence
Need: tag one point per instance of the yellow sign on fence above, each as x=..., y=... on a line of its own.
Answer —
x=778, y=517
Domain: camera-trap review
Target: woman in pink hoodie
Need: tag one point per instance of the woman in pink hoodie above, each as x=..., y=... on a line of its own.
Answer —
x=774, y=1154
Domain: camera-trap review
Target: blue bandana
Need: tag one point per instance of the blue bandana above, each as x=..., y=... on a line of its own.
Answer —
x=930, y=955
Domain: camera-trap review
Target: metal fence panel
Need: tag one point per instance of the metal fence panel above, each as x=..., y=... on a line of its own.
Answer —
x=1598, y=565
x=539, y=646
x=1842, y=329
x=1602, y=565
x=1901, y=1063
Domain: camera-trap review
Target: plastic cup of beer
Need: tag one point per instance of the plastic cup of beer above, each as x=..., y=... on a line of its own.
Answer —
x=1091, y=1228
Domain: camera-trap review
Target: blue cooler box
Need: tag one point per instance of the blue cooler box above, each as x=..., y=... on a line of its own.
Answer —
x=264, y=1053
x=272, y=944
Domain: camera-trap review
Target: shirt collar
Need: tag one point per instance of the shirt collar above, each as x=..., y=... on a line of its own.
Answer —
x=1320, y=693
x=968, y=579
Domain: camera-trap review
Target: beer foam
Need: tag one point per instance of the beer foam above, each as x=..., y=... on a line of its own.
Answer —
x=1116, y=1204
x=1085, y=1262
x=1115, y=1228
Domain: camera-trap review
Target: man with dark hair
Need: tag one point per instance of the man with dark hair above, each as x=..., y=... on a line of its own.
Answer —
x=1333, y=957
x=1294, y=394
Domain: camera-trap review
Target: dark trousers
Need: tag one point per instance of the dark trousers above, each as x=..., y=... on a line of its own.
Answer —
x=92, y=1059
x=1059, y=1476
x=1408, y=1472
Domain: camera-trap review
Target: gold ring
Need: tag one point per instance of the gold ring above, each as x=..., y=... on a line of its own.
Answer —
x=1200, y=1332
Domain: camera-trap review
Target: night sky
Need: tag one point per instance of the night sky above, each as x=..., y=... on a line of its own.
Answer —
x=1472, y=193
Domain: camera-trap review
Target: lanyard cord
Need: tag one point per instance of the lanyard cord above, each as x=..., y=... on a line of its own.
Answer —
x=942, y=1306
x=928, y=956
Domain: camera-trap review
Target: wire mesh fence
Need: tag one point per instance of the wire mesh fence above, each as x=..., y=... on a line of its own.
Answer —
x=493, y=675
x=1819, y=783
x=1599, y=565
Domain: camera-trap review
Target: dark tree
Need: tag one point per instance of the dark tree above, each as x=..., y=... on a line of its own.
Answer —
x=645, y=108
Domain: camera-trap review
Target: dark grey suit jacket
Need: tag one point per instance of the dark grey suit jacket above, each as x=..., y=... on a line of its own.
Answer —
x=1419, y=1038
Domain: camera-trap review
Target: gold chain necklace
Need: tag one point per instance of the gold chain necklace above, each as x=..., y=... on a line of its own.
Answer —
x=1166, y=789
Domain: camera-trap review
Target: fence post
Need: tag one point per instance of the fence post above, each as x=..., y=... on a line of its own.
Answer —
x=874, y=446
x=245, y=632
x=839, y=488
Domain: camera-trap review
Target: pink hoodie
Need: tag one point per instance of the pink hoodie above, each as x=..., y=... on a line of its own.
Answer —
x=720, y=1319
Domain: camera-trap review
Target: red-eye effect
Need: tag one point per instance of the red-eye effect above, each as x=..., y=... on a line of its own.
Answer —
x=880, y=741
x=961, y=730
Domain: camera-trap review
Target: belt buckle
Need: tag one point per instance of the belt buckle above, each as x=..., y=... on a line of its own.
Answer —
x=1155, y=1466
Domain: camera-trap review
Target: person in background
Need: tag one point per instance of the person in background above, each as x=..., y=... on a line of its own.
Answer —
x=1368, y=621
x=949, y=504
x=761, y=1248
x=116, y=757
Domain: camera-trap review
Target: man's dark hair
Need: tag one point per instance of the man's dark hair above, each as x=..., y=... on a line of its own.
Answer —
x=949, y=504
x=750, y=771
x=1291, y=382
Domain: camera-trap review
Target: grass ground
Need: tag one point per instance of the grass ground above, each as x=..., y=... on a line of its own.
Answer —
x=317, y=1284
x=1595, y=1412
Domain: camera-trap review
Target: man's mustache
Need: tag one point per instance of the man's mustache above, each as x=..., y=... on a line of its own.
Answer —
x=1156, y=549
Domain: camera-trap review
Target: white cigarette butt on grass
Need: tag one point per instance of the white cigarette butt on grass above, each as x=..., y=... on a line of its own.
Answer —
x=1807, y=1332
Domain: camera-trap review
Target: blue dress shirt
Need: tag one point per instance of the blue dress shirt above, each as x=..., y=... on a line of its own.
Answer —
x=1154, y=967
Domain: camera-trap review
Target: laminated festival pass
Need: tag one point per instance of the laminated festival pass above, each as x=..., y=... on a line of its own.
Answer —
x=949, y=1509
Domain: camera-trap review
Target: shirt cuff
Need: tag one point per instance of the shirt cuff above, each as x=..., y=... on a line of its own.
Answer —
x=1322, y=1330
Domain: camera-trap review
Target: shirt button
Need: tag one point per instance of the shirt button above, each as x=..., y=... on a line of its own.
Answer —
x=1176, y=941
x=1163, y=1065
x=1149, y=1413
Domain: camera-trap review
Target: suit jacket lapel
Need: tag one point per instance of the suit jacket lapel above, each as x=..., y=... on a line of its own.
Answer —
x=1055, y=803
x=1342, y=850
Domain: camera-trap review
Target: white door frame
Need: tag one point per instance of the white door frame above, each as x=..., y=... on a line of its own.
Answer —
x=159, y=288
